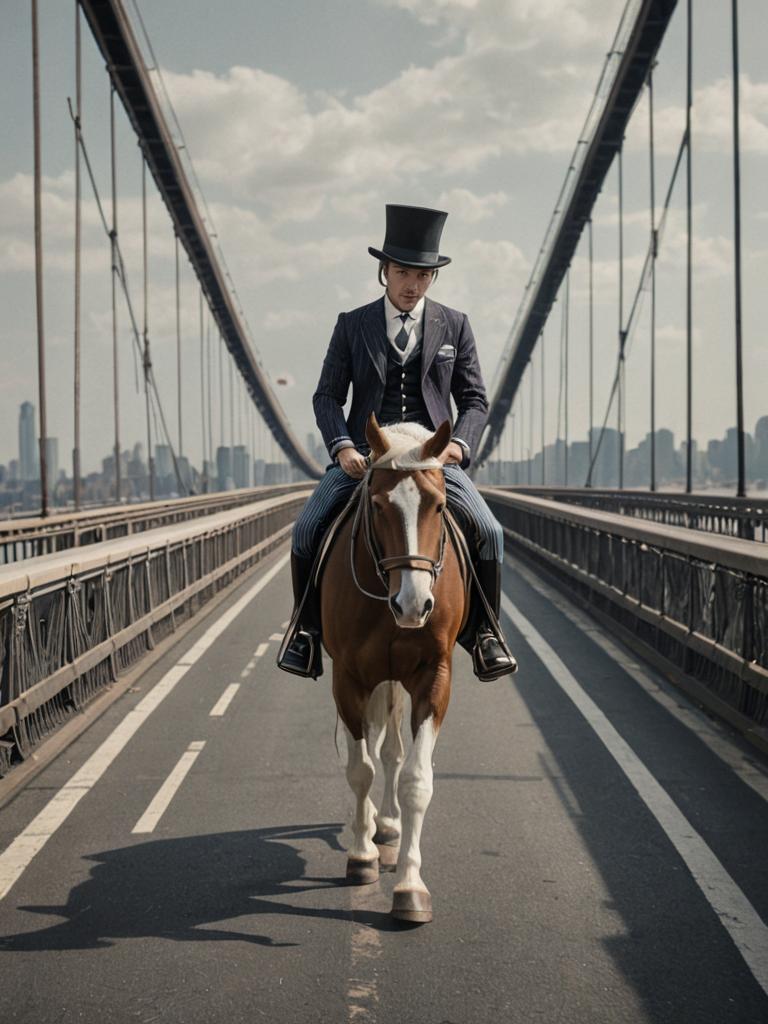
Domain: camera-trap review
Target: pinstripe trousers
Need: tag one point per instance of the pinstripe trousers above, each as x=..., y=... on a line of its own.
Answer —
x=327, y=500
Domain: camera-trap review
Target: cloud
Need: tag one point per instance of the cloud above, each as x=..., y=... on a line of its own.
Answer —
x=507, y=92
x=468, y=207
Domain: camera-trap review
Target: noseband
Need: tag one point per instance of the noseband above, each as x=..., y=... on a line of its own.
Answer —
x=385, y=565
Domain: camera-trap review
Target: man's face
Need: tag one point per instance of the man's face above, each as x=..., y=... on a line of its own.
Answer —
x=406, y=285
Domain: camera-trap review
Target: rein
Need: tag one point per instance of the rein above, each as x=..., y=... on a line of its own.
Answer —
x=384, y=565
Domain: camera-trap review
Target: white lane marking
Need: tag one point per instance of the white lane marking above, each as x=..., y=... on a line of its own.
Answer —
x=736, y=913
x=159, y=804
x=224, y=701
x=16, y=857
x=286, y=624
x=365, y=951
x=718, y=741
x=276, y=636
x=260, y=650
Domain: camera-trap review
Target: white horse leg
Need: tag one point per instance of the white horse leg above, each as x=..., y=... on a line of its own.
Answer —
x=362, y=856
x=412, y=901
x=388, y=819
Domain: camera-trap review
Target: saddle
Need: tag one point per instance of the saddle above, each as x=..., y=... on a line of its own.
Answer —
x=478, y=605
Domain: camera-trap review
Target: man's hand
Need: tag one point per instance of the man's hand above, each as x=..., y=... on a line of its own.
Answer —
x=452, y=454
x=352, y=462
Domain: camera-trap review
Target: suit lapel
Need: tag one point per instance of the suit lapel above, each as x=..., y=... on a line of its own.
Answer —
x=434, y=329
x=375, y=336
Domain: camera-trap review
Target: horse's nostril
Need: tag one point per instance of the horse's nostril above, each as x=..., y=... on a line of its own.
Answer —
x=429, y=604
x=395, y=606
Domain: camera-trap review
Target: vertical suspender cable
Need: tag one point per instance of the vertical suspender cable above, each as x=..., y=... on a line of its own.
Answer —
x=530, y=423
x=147, y=361
x=202, y=394
x=543, y=438
x=567, y=316
x=591, y=343
x=209, y=369
x=654, y=253
x=741, y=491
x=78, y=242
x=39, y=262
x=115, y=272
x=178, y=345
x=231, y=416
x=689, y=257
x=622, y=335
x=221, y=391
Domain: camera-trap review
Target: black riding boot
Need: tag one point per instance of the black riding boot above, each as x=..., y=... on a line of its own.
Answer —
x=491, y=657
x=301, y=651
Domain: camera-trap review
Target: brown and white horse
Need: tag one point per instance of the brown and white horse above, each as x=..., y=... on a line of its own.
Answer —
x=393, y=602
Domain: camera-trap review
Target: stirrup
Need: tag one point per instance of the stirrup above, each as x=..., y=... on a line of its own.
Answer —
x=302, y=654
x=502, y=665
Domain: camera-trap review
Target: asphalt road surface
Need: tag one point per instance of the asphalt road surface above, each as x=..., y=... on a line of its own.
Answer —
x=595, y=847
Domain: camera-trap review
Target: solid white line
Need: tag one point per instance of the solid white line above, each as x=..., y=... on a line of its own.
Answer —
x=718, y=741
x=159, y=805
x=224, y=701
x=16, y=857
x=260, y=650
x=736, y=913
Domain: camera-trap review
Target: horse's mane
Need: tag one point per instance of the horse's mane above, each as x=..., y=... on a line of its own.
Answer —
x=405, y=443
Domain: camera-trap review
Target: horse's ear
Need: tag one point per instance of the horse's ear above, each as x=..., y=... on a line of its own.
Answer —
x=374, y=435
x=439, y=441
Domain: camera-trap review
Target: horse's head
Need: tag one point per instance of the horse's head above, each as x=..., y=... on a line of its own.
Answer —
x=406, y=498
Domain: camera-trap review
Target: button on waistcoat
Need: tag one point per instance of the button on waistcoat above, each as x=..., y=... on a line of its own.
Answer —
x=403, y=400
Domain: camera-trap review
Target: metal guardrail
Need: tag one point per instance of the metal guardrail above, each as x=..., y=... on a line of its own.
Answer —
x=37, y=535
x=694, y=604
x=70, y=623
x=712, y=513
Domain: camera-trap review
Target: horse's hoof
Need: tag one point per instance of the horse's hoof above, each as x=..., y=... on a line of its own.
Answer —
x=386, y=836
x=388, y=857
x=362, y=872
x=412, y=905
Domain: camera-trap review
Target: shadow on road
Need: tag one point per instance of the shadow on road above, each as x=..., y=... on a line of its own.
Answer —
x=179, y=888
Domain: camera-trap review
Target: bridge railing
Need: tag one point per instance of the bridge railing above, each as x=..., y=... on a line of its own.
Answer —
x=713, y=513
x=694, y=604
x=70, y=623
x=33, y=536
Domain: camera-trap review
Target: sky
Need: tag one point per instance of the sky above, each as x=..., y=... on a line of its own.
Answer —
x=303, y=120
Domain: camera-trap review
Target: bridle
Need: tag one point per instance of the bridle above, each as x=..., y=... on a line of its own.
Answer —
x=384, y=565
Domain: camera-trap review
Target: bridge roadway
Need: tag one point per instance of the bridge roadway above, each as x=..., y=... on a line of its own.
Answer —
x=564, y=892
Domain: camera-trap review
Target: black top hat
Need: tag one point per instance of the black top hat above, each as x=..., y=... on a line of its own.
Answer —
x=413, y=237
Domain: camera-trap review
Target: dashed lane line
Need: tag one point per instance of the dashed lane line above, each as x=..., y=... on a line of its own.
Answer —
x=261, y=650
x=16, y=858
x=710, y=734
x=161, y=800
x=735, y=912
x=276, y=636
x=220, y=707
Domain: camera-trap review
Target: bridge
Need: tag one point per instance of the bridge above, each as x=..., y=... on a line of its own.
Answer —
x=173, y=808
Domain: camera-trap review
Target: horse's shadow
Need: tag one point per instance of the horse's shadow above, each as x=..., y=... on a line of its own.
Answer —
x=178, y=888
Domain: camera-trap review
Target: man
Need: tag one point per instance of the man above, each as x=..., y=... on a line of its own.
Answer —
x=404, y=356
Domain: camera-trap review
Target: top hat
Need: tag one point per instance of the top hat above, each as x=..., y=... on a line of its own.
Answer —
x=413, y=237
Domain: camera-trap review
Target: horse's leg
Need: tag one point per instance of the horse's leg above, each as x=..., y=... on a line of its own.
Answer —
x=390, y=750
x=412, y=900
x=362, y=856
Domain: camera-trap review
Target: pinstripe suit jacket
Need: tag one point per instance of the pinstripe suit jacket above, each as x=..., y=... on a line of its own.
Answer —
x=357, y=355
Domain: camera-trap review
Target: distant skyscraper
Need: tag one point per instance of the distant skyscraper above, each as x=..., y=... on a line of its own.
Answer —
x=51, y=462
x=163, y=461
x=29, y=463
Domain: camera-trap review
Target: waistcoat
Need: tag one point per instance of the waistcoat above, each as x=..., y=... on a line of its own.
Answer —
x=403, y=399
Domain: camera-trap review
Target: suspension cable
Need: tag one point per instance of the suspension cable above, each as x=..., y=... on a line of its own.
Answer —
x=78, y=247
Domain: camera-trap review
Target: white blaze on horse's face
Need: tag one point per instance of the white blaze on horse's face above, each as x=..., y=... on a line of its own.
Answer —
x=413, y=603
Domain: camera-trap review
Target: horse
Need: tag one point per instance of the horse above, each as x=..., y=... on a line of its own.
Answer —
x=394, y=599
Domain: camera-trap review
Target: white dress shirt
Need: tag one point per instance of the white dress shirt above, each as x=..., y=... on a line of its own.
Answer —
x=414, y=325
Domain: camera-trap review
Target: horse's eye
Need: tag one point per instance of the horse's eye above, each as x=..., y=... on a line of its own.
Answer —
x=440, y=508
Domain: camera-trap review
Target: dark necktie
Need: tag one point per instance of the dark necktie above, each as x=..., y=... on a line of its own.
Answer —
x=402, y=335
